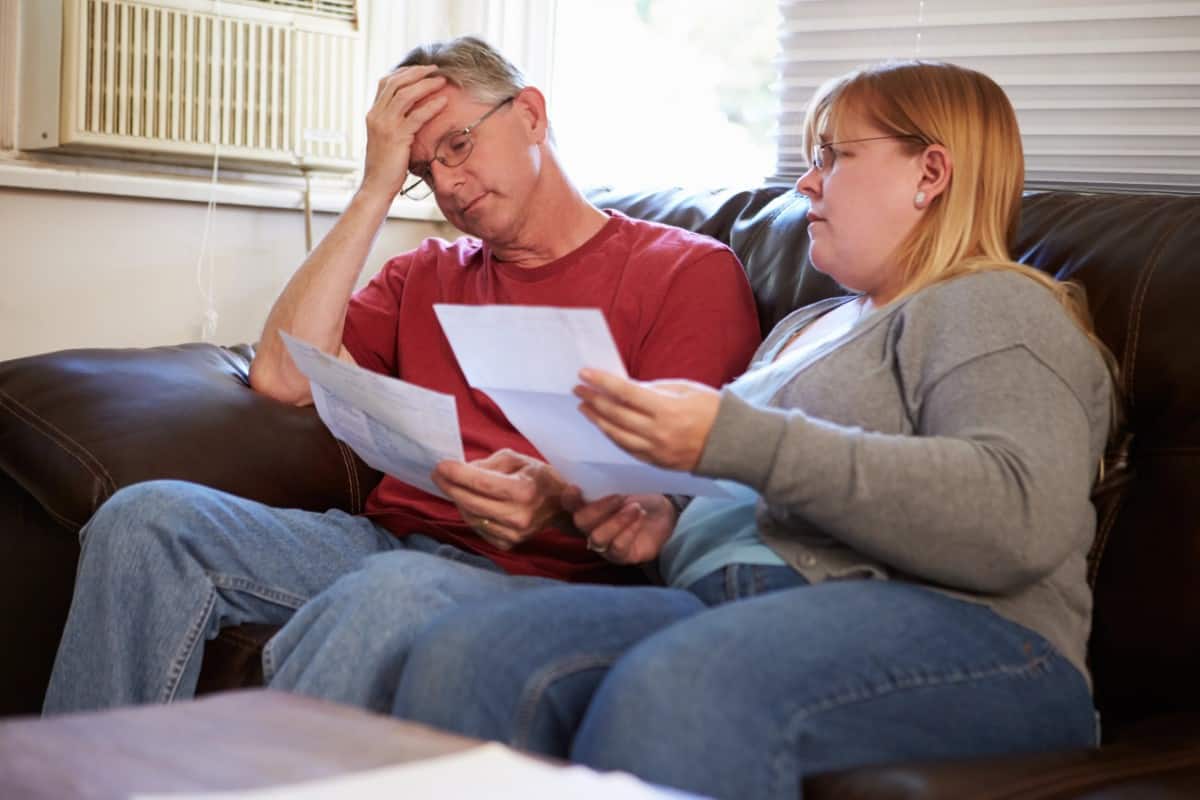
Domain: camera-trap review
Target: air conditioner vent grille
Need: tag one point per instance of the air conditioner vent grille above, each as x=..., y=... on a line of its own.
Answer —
x=332, y=9
x=174, y=81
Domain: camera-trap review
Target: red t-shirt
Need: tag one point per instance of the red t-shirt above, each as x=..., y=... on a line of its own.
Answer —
x=678, y=304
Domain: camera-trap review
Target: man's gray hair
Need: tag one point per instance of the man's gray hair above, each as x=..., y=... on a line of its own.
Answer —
x=471, y=64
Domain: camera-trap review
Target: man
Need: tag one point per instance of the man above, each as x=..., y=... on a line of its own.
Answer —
x=165, y=564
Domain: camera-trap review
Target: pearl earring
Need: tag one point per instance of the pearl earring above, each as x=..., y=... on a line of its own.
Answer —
x=919, y=200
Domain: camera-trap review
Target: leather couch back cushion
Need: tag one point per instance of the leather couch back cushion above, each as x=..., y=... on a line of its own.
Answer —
x=1137, y=257
x=77, y=425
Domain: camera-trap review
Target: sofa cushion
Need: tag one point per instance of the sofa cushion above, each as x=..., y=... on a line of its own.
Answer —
x=37, y=570
x=77, y=425
x=1136, y=255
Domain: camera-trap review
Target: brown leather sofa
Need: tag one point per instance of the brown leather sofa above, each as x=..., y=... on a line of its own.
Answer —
x=77, y=425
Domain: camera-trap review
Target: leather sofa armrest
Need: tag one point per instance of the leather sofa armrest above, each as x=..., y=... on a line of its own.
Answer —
x=77, y=425
x=1165, y=766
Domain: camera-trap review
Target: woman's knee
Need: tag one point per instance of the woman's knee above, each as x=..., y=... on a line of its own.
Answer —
x=452, y=658
x=654, y=683
x=455, y=680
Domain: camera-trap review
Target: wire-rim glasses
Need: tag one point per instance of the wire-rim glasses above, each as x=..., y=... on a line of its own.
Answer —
x=822, y=156
x=451, y=150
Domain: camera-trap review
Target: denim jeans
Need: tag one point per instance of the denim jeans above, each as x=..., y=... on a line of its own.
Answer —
x=745, y=699
x=522, y=671
x=165, y=565
x=350, y=642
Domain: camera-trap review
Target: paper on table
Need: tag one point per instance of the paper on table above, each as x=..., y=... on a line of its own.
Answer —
x=527, y=359
x=397, y=427
x=492, y=770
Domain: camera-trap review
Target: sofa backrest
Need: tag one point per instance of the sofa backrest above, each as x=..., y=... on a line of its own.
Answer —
x=1136, y=256
x=77, y=425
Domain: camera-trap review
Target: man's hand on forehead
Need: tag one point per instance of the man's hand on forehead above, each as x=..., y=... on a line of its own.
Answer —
x=406, y=76
x=406, y=101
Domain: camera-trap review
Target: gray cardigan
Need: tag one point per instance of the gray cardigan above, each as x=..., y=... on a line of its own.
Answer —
x=951, y=439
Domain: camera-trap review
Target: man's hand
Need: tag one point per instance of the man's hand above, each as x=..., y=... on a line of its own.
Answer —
x=506, y=497
x=625, y=529
x=401, y=109
x=661, y=422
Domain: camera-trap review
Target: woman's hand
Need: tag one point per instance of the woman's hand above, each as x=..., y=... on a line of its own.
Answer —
x=624, y=529
x=662, y=422
x=506, y=497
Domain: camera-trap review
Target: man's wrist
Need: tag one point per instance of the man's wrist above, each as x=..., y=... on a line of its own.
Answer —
x=377, y=193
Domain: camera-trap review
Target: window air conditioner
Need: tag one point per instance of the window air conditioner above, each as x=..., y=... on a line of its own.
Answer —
x=269, y=82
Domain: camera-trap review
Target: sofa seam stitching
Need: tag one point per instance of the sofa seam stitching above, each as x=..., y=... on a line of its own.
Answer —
x=359, y=500
x=54, y=434
x=1101, y=543
x=1141, y=291
x=770, y=220
x=351, y=474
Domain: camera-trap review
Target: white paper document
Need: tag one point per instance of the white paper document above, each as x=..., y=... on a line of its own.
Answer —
x=490, y=771
x=527, y=359
x=397, y=427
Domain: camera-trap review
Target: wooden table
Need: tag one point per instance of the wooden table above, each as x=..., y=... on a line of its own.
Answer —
x=236, y=740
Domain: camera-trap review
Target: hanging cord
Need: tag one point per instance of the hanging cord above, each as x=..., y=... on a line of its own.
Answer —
x=308, y=236
x=205, y=277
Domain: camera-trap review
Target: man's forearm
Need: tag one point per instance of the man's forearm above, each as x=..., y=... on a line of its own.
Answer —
x=313, y=305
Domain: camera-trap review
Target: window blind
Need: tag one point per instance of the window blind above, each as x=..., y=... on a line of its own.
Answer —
x=1107, y=93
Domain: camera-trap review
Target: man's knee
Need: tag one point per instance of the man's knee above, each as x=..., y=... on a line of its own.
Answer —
x=143, y=514
x=402, y=577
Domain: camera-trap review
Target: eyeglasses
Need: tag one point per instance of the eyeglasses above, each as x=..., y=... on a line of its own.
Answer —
x=823, y=156
x=451, y=150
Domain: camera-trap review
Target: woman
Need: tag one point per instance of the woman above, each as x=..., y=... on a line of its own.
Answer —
x=903, y=576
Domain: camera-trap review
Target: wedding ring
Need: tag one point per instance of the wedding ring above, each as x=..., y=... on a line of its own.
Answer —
x=484, y=522
x=596, y=548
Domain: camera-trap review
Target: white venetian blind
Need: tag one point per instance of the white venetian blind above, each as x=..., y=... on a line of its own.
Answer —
x=1107, y=92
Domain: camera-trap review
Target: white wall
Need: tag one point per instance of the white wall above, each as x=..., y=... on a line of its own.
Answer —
x=81, y=270
x=110, y=270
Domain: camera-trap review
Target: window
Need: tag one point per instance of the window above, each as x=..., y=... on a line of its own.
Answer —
x=1107, y=92
x=664, y=92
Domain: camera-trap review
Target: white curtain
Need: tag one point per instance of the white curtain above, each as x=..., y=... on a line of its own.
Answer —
x=1107, y=92
x=523, y=30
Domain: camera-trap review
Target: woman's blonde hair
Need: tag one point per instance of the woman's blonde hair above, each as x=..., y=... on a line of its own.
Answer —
x=972, y=225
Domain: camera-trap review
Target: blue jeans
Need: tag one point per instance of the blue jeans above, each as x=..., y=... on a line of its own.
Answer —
x=523, y=671
x=350, y=642
x=165, y=565
x=745, y=699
